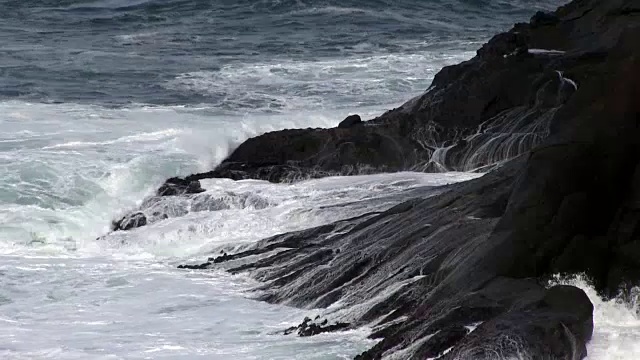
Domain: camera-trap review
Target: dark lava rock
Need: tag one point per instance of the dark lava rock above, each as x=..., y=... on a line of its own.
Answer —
x=176, y=186
x=442, y=340
x=555, y=327
x=476, y=115
x=309, y=327
x=222, y=258
x=129, y=222
x=350, y=121
x=560, y=136
x=195, y=267
x=435, y=247
x=543, y=18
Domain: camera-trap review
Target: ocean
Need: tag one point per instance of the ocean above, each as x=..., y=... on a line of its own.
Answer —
x=101, y=101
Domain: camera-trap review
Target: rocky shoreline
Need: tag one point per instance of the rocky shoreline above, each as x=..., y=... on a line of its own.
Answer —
x=551, y=111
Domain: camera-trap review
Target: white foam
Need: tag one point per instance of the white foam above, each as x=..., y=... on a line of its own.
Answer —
x=567, y=80
x=406, y=353
x=473, y=327
x=446, y=351
x=68, y=169
x=97, y=308
x=142, y=137
x=122, y=297
x=377, y=82
x=137, y=38
x=236, y=213
x=616, y=333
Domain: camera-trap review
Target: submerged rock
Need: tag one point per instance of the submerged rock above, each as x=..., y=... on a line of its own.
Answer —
x=176, y=186
x=129, y=222
x=309, y=327
x=202, y=266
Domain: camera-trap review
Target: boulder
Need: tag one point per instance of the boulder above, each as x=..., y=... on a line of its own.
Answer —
x=177, y=186
x=350, y=121
x=129, y=222
x=556, y=327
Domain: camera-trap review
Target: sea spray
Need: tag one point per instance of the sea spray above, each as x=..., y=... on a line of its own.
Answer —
x=616, y=333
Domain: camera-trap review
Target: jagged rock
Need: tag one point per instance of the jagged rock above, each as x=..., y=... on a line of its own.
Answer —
x=129, y=222
x=433, y=246
x=350, y=121
x=477, y=254
x=202, y=266
x=504, y=45
x=220, y=259
x=309, y=328
x=176, y=186
x=556, y=327
x=477, y=114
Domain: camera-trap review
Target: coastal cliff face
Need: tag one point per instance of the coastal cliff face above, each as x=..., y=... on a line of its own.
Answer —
x=552, y=108
x=476, y=114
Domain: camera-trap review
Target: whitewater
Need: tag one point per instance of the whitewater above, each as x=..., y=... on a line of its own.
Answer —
x=101, y=101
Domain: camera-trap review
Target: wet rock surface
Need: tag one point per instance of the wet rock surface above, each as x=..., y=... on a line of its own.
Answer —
x=129, y=222
x=310, y=327
x=177, y=186
x=461, y=275
x=475, y=115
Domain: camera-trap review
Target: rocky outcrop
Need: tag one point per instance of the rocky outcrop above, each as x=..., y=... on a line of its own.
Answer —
x=475, y=115
x=414, y=272
x=129, y=222
x=350, y=121
x=309, y=327
x=551, y=107
x=177, y=186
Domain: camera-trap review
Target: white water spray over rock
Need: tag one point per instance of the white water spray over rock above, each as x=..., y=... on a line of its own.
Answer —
x=616, y=334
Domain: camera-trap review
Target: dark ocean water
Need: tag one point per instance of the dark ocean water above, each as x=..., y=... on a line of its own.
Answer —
x=238, y=54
